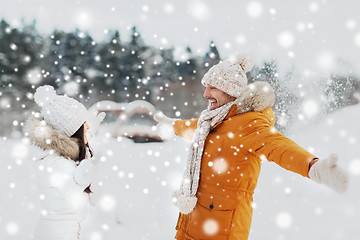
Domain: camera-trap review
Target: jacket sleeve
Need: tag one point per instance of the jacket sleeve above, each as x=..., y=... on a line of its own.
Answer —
x=61, y=171
x=268, y=142
x=66, y=172
x=185, y=128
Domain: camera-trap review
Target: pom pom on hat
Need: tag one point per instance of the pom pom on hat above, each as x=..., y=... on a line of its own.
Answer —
x=61, y=112
x=44, y=95
x=246, y=63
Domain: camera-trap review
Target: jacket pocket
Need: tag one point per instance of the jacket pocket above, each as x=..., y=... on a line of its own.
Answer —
x=211, y=218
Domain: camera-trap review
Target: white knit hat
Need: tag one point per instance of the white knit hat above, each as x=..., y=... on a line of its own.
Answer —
x=229, y=76
x=62, y=113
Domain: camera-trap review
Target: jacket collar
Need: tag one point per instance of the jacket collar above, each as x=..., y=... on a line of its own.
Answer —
x=257, y=97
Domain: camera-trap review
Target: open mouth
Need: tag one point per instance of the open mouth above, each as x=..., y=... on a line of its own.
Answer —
x=213, y=104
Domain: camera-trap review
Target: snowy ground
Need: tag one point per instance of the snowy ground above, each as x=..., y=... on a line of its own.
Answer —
x=137, y=181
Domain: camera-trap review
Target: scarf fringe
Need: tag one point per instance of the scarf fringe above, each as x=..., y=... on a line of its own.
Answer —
x=185, y=204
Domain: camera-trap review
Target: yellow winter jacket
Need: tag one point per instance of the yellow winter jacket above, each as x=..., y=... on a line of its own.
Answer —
x=230, y=168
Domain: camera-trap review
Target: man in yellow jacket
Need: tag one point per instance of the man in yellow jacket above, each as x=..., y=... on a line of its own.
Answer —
x=229, y=140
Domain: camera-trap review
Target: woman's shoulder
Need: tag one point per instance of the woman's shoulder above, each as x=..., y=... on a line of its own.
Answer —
x=55, y=161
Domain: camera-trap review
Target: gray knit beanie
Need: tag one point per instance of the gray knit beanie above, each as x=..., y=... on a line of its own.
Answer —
x=61, y=112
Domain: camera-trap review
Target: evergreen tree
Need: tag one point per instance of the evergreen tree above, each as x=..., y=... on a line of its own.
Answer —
x=211, y=58
x=133, y=65
x=341, y=91
x=67, y=60
x=190, y=68
x=161, y=71
x=285, y=100
x=19, y=54
x=53, y=64
x=110, y=57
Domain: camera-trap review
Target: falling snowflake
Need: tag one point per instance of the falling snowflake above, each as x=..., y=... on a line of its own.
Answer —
x=326, y=60
x=283, y=220
x=71, y=88
x=83, y=19
x=210, y=227
x=254, y=9
x=220, y=166
x=107, y=203
x=314, y=7
x=354, y=167
x=34, y=76
x=240, y=39
x=199, y=10
x=12, y=228
x=310, y=108
x=350, y=24
x=20, y=150
x=286, y=39
x=357, y=39
x=169, y=8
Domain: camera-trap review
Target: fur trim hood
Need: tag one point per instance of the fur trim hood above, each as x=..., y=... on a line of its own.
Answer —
x=257, y=96
x=48, y=138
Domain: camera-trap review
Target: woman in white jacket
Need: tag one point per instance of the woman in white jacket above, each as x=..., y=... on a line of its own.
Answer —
x=65, y=170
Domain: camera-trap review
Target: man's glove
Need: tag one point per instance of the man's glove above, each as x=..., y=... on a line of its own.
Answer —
x=165, y=125
x=327, y=172
x=94, y=121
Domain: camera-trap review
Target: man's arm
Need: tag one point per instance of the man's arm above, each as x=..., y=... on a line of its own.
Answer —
x=267, y=141
x=287, y=154
x=167, y=127
x=185, y=128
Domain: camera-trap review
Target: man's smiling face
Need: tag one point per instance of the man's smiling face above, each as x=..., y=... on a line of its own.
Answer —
x=216, y=97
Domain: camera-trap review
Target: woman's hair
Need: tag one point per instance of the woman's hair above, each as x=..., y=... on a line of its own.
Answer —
x=79, y=135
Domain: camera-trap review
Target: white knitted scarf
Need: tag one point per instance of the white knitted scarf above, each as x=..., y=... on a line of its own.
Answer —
x=186, y=196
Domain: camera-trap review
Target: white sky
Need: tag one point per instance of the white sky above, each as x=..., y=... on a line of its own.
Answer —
x=311, y=35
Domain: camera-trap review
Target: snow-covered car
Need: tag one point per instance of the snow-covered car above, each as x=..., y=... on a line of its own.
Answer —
x=112, y=109
x=134, y=120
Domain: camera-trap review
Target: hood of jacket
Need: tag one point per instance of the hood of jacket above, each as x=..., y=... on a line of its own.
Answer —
x=257, y=97
x=46, y=137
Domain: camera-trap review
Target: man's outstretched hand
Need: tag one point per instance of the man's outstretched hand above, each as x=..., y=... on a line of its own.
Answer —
x=165, y=125
x=326, y=171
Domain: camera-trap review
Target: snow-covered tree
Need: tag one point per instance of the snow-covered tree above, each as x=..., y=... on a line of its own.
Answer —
x=285, y=101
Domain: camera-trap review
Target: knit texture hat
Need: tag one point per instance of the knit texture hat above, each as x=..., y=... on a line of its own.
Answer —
x=229, y=76
x=61, y=112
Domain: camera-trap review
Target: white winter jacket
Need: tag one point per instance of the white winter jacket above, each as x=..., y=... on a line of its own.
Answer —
x=61, y=182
